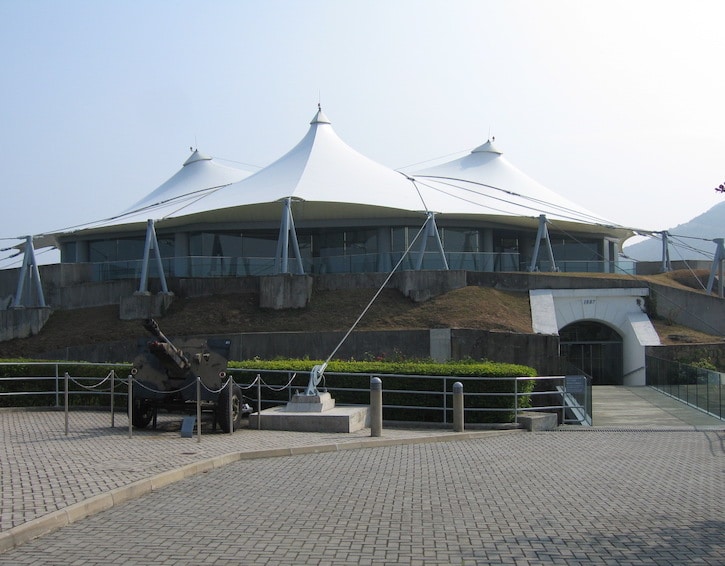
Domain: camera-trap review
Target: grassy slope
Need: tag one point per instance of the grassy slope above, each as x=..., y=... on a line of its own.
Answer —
x=470, y=307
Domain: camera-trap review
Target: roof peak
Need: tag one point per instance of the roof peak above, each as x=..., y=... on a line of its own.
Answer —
x=196, y=156
x=488, y=147
x=320, y=117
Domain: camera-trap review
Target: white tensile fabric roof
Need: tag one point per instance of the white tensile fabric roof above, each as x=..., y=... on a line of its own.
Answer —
x=320, y=168
x=199, y=175
x=484, y=182
x=327, y=180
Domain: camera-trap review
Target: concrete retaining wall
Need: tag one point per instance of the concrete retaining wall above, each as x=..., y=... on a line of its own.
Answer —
x=21, y=323
x=87, y=295
x=539, y=351
x=699, y=311
x=522, y=281
x=417, y=285
x=285, y=291
x=534, y=350
x=203, y=287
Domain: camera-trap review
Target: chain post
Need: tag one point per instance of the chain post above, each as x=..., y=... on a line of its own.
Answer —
x=198, y=408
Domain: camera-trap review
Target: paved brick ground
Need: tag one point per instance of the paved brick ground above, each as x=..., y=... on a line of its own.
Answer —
x=42, y=470
x=565, y=497
x=632, y=494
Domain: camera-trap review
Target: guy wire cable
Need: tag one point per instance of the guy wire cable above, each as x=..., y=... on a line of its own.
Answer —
x=380, y=290
x=635, y=277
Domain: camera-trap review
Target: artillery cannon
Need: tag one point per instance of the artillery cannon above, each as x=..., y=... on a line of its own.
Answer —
x=165, y=377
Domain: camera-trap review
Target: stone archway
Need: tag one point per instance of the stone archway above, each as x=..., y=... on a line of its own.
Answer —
x=619, y=309
x=596, y=349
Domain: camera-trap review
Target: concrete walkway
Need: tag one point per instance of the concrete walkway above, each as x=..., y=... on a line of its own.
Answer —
x=614, y=406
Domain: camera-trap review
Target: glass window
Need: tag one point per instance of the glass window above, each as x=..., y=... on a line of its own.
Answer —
x=68, y=252
x=459, y=239
x=117, y=250
x=259, y=244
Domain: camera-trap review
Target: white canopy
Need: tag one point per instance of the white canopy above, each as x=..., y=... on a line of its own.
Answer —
x=321, y=168
x=484, y=182
x=328, y=180
x=198, y=176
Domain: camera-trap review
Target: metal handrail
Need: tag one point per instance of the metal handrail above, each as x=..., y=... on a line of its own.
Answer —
x=551, y=386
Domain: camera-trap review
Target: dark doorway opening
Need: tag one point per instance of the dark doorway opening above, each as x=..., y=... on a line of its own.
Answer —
x=594, y=348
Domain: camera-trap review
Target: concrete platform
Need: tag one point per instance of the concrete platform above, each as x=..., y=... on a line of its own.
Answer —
x=339, y=419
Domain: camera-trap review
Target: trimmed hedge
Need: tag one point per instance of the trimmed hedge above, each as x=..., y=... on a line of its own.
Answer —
x=402, y=394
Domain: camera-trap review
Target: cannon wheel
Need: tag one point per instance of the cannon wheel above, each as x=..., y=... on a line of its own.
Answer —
x=143, y=412
x=222, y=409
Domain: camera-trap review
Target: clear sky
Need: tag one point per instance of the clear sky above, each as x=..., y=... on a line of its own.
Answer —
x=617, y=105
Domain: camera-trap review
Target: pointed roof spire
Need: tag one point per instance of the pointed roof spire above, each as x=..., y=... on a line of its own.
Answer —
x=196, y=156
x=320, y=117
x=488, y=147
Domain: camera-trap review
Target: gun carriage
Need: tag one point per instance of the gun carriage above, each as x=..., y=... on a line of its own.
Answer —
x=165, y=377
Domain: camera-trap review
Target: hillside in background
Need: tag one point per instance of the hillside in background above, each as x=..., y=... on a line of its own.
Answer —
x=686, y=240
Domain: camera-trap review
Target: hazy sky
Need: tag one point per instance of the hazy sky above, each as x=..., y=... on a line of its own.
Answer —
x=617, y=105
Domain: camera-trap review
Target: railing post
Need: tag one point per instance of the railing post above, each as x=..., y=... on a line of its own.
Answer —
x=113, y=392
x=57, y=389
x=230, y=408
x=516, y=400
x=458, y=407
x=376, y=406
x=259, y=401
x=198, y=408
x=130, y=405
x=66, y=402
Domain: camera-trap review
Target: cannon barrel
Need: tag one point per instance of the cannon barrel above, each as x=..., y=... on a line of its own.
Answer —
x=153, y=328
x=164, y=349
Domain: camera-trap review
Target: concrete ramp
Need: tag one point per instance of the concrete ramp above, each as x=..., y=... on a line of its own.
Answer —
x=644, y=407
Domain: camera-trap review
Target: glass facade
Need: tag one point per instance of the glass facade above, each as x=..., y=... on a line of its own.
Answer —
x=210, y=253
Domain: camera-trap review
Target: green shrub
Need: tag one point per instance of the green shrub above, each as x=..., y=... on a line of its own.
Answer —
x=407, y=394
x=403, y=382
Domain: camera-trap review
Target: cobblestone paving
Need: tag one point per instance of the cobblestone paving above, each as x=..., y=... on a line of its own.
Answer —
x=42, y=470
x=568, y=497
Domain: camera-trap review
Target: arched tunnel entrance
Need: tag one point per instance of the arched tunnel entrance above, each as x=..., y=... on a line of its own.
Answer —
x=594, y=348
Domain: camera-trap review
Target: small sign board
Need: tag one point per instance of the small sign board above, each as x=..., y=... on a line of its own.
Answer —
x=187, y=426
x=574, y=383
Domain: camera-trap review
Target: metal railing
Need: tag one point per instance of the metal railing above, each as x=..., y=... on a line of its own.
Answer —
x=425, y=398
x=44, y=381
x=231, y=266
x=412, y=398
x=700, y=388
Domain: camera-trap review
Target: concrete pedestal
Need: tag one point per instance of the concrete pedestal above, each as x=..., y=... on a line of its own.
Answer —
x=312, y=413
x=339, y=419
x=301, y=403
